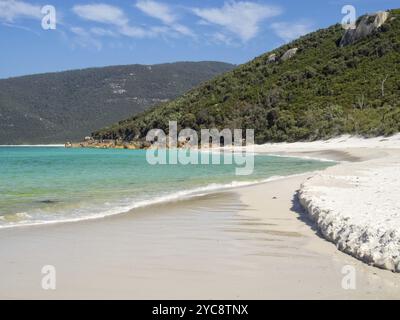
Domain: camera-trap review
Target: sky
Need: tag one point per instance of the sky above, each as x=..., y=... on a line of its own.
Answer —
x=38, y=36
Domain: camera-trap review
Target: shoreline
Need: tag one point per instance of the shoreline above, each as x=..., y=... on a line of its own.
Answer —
x=227, y=245
x=166, y=197
x=335, y=199
x=177, y=197
x=355, y=207
x=251, y=242
x=32, y=146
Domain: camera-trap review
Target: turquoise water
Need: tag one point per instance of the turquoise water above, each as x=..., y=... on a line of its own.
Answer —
x=47, y=185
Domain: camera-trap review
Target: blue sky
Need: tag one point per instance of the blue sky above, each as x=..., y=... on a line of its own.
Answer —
x=100, y=33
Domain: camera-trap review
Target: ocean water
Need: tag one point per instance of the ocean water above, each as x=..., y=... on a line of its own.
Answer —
x=41, y=185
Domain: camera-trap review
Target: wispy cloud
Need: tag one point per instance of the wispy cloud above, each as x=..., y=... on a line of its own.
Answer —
x=102, y=13
x=157, y=10
x=219, y=37
x=84, y=38
x=135, y=32
x=290, y=31
x=239, y=18
x=109, y=15
x=11, y=10
x=121, y=25
x=101, y=32
x=16, y=26
x=233, y=20
x=164, y=13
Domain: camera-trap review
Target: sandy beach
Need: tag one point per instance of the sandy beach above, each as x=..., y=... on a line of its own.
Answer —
x=354, y=204
x=255, y=242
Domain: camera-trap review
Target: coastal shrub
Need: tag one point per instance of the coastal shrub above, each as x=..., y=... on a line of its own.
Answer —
x=323, y=91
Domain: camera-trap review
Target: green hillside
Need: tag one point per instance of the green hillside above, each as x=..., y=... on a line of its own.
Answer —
x=64, y=106
x=322, y=91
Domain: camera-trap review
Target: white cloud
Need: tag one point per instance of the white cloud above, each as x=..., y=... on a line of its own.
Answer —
x=15, y=26
x=84, y=38
x=182, y=30
x=79, y=31
x=101, y=32
x=219, y=37
x=102, y=13
x=134, y=32
x=107, y=15
x=157, y=10
x=163, y=13
x=10, y=10
x=119, y=23
x=290, y=31
x=240, y=18
x=111, y=15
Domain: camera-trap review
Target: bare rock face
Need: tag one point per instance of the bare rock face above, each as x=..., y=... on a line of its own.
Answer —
x=272, y=58
x=289, y=54
x=365, y=26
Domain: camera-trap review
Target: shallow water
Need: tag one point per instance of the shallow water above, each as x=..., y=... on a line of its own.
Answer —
x=47, y=185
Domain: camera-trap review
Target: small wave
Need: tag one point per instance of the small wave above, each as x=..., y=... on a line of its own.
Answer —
x=23, y=215
x=121, y=209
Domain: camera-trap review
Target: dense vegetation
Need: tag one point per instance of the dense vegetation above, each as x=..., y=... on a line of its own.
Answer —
x=323, y=91
x=60, y=107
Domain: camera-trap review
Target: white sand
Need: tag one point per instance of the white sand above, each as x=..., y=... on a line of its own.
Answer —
x=248, y=243
x=355, y=205
x=339, y=143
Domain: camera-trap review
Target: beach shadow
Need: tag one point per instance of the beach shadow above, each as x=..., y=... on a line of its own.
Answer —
x=302, y=215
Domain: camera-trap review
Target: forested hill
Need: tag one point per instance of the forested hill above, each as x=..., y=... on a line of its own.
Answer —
x=64, y=106
x=326, y=83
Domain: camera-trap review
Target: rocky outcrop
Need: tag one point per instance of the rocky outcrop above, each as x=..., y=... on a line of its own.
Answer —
x=272, y=58
x=107, y=144
x=289, y=54
x=365, y=27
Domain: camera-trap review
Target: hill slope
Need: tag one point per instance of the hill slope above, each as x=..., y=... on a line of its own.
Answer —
x=56, y=107
x=323, y=89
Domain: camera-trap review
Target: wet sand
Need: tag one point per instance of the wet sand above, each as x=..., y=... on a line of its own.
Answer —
x=248, y=243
